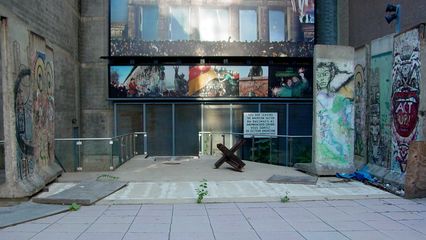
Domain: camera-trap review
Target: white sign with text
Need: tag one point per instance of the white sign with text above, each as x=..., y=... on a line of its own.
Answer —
x=259, y=124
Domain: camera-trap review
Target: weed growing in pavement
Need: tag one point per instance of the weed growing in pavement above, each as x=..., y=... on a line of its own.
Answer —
x=74, y=207
x=202, y=191
x=285, y=198
x=106, y=177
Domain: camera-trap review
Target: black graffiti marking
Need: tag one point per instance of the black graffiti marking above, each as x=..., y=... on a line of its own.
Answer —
x=26, y=148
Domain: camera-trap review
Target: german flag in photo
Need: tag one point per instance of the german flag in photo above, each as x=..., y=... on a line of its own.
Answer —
x=199, y=77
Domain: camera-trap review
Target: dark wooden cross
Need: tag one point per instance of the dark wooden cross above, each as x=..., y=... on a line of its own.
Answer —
x=230, y=157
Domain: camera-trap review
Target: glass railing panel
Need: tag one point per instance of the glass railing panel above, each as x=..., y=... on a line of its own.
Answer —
x=96, y=155
x=300, y=150
x=67, y=154
x=140, y=143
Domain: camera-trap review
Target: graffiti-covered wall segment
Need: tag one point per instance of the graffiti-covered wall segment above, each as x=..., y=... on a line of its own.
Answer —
x=30, y=104
x=405, y=96
x=333, y=140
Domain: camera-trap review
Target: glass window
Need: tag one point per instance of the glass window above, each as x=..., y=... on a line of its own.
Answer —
x=159, y=129
x=149, y=22
x=179, y=23
x=213, y=24
x=187, y=126
x=248, y=25
x=276, y=26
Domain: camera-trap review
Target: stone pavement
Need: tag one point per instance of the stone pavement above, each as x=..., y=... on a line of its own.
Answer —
x=332, y=220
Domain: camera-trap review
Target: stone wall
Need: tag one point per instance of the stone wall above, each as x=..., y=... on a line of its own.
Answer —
x=96, y=111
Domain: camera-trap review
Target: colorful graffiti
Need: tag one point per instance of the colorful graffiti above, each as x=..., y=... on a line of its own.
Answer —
x=34, y=109
x=335, y=114
x=405, y=96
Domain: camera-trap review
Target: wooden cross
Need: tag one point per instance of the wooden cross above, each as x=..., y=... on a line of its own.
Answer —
x=230, y=157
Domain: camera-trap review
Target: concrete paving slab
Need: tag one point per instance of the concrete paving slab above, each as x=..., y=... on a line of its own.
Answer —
x=28, y=211
x=292, y=179
x=85, y=193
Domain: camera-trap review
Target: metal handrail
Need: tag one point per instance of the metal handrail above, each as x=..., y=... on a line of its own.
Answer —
x=263, y=135
x=126, y=142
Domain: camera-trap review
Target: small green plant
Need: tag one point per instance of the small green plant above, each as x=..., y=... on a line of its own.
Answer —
x=285, y=198
x=202, y=191
x=74, y=207
x=106, y=177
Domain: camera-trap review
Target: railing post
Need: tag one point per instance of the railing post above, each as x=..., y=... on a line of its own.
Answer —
x=223, y=139
x=270, y=149
x=252, y=147
x=200, y=144
x=290, y=151
x=79, y=167
x=211, y=143
x=145, y=143
x=111, y=166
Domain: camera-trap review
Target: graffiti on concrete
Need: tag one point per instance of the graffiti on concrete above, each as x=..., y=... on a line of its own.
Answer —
x=379, y=133
x=34, y=110
x=405, y=96
x=335, y=116
x=23, y=113
x=43, y=114
x=360, y=110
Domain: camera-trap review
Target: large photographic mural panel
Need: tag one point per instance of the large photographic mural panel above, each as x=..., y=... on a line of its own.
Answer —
x=334, y=113
x=405, y=98
x=214, y=28
x=205, y=81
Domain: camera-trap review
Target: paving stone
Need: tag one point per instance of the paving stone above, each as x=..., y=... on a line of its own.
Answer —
x=190, y=227
x=152, y=219
x=146, y=236
x=77, y=219
x=50, y=219
x=67, y=227
x=365, y=235
x=115, y=219
x=56, y=236
x=280, y=235
x=26, y=212
x=248, y=235
x=15, y=235
x=117, y=213
x=385, y=225
x=405, y=234
x=150, y=228
x=323, y=236
x=100, y=236
x=403, y=216
x=84, y=193
x=109, y=227
x=27, y=227
x=350, y=226
x=311, y=226
x=191, y=236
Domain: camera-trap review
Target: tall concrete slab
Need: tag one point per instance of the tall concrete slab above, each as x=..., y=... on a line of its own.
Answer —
x=360, y=105
x=35, y=45
x=333, y=123
x=378, y=106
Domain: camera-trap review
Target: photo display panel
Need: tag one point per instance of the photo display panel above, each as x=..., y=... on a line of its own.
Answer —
x=207, y=81
x=212, y=28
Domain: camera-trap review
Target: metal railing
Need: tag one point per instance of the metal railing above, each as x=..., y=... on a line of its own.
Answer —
x=2, y=162
x=283, y=150
x=99, y=154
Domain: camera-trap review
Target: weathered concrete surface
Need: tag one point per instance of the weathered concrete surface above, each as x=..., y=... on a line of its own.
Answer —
x=293, y=179
x=415, y=178
x=333, y=123
x=85, y=193
x=153, y=181
x=26, y=212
